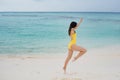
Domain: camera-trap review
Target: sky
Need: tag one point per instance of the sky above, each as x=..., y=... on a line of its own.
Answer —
x=61, y=5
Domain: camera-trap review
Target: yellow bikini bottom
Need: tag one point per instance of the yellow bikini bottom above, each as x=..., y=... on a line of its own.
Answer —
x=71, y=43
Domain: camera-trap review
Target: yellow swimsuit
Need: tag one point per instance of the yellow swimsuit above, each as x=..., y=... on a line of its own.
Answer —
x=73, y=40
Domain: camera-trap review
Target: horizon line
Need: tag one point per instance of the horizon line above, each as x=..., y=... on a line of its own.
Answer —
x=68, y=11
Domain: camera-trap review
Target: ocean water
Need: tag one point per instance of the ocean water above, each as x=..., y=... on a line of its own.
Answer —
x=46, y=32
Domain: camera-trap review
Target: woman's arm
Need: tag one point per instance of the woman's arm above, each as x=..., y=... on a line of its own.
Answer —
x=81, y=19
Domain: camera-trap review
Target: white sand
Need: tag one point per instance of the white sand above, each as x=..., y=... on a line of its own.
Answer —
x=96, y=64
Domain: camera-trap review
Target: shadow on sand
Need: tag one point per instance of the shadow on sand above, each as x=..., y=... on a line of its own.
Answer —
x=68, y=76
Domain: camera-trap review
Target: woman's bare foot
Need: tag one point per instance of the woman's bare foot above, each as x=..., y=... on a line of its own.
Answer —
x=64, y=68
x=74, y=59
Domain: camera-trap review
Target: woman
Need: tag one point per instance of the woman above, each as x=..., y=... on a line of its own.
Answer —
x=72, y=45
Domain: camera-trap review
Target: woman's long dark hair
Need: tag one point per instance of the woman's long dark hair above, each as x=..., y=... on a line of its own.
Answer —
x=72, y=25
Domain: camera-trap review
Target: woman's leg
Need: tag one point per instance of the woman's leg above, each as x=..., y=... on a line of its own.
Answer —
x=67, y=60
x=80, y=49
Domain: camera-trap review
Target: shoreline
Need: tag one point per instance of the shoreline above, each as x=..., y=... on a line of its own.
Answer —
x=110, y=50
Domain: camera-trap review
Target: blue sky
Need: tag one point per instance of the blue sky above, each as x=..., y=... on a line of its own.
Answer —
x=61, y=5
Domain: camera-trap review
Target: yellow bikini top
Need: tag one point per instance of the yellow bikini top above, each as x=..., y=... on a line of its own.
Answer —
x=73, y=37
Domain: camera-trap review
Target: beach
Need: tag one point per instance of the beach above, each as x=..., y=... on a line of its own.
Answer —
x=97, y=64
x=33, y=46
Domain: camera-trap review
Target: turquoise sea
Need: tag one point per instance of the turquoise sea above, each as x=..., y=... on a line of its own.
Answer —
x=46, y=32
